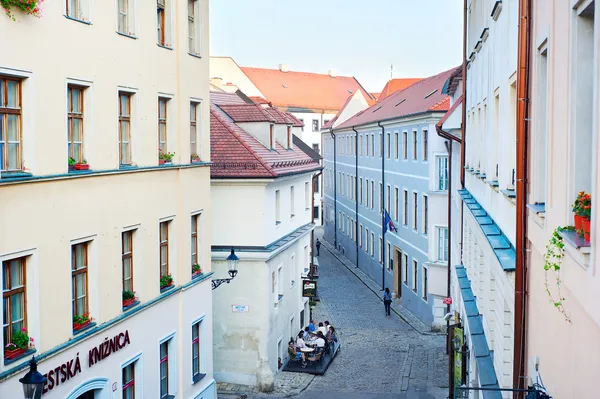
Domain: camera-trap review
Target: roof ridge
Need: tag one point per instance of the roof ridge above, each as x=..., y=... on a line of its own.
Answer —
x=235, y=134
x=301, y=72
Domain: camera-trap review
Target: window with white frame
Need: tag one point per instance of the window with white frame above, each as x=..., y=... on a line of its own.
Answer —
x=78, y=9
x=389, y=265
x=163, y=22
x=372, y=194
x=373, y=245
x=315, y=125
x=389, y=200
x=405, y=209
x=414, y=150
x=381, y=203
x=442, y=173
x=306, y=196
x=194, y=27
x=360, y=237
x=367, y=240
x=292, y=198
x=360, y=184
x=168, y=369
x=540, y=136
x=195, y=150
x=396, y=199
x=424, y=284
x=405, y=267
x=415, y=211
x=125, y=17
x=442, y=243
x=404, y=145
x=198, y=371
x=372, y=145
x=415, y=275
x=380, y=250
x=128, y=380
x=425, y=217
x=367, y=149
x=425, y=145
x=396, y=144
x=10, y=124
x=279, y=288
x=277, y=207
x=389, y=145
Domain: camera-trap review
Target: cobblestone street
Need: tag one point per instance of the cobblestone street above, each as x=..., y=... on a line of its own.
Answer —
x=380, y=357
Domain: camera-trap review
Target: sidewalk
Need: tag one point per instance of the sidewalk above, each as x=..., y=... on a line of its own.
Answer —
x=396, y=307
x=286, y=384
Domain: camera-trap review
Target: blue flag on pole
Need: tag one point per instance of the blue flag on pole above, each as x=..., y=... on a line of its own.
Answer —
x=388, y=224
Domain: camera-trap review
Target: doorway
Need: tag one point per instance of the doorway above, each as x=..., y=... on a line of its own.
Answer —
x=398, y=272
x=86, y=395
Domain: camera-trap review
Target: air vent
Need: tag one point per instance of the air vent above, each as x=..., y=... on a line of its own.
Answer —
x=349, y=91
x=284, y=86
x=430, y=94
x=404, y=99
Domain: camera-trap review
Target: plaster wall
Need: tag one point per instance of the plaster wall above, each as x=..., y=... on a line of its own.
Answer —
x=227, y=69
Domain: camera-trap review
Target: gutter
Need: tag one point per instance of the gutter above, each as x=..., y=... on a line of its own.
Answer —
x=334, y=188
x=523, y=93
x=356, y=191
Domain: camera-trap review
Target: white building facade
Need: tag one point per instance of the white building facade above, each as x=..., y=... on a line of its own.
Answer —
x=96, y=216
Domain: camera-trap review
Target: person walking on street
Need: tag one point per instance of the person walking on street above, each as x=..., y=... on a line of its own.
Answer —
x=318, y=247
x=387, y=301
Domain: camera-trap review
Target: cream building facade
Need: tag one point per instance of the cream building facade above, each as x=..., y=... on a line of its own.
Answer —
x=564, y=160
x=102, y=85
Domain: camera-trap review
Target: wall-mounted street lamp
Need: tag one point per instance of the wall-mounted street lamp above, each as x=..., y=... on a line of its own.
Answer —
x=232, y=262
x=33, y=382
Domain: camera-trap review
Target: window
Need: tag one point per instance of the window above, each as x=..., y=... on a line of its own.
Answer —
x=381, y=138
x=277, y=208
x=164, y=248
x=315, y=125
x=271, y=137
x=302, y=122
x=389, y=265
x=424, y=284
x=396, y=199
x=381, y=203
x=396, y=143
x=316, y=184
x=360, y=146
x=415, y=138
x=360, y=236
x=128, y=374
x=292, y=202
x=425, y=212
x=164, y=370
x=196, y=367
x=360, y=183
x=162, y=125
x=372, y=194
x=373, y=244
x=380, y=250
x=194, y=241
x=79, y=269
x=372, y=145
x=161, y=21
x=367, y=140
x=540, y=138
x=13, y=297
x=125, y=128
x=77, y=9
x=415, y=271
x=193, y=132
x=442, y=173
x=415, y=211
x=75, y=123
x=127, y=259
x=278, y=294
x=125, y=20
x=316, y=211
x=389, y=194
x=366, y=240
x=425, y=148
x=405, y=215
x=194, y=27
x=10, y=124
x=404, y=145
x=389, y=144
x=442, y=247
x=405, y=267
x=306, y=196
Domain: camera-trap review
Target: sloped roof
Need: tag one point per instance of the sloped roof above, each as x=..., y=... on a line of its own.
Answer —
x=423, y=96
x=280, y=117
x=259, y=100
x=394, y=85
x=303, y=89
x=226, y=98
x=237, y=154
x=329, y=124
x=247, y=113
x=297, y=122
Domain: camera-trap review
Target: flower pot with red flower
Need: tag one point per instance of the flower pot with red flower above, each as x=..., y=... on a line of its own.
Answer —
x=583, y=212
x=129, y=298
x=165, y=157
x=30, y=7
x=83, y=165
x=81, y=322
x=196, y=270
x=19, y=344
x=166, y=281
x=195, y=158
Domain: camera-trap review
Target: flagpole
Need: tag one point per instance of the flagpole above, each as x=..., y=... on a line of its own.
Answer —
x=382, y=199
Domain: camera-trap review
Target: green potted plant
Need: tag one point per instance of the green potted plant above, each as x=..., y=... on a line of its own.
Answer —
x=81, y=322
x=19, y=344
x=196, y=270
x=129, y=298
x=164, y=158
x=83, y=165
x=166, y=281
x=72, y=163
x=582, y=209
x=30, y=7
x=195, y=158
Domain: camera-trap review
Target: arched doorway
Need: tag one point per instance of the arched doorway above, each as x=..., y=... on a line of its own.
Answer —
x=95, y=388
x=87, y=395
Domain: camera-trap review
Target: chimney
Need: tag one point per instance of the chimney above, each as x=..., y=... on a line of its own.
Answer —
x=283, y=67
x=218, y=82
x=332, y=73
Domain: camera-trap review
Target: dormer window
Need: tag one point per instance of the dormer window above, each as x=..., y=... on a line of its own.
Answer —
x=289, y=137
x=271, y=137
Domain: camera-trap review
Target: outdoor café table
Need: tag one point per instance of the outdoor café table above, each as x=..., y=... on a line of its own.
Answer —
x=307, y=349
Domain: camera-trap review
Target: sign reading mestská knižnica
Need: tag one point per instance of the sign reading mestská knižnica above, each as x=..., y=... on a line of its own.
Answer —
x=70, y=369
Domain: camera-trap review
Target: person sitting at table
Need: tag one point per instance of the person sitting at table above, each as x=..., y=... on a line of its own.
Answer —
x=294, y=355
x=311, y=326
x=320, y=341
x=300, y=344
x=326, y=327
x=305, y=334
x=322, y=328
x=331, y=337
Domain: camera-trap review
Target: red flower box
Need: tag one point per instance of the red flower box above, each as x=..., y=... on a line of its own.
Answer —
x=129, y=302
x=586, y=225
x=13, y=353
x=77, y=326
x=194, y=160
x=161, y=161
x=82, y=166
x=578, y=222
x=199, y=272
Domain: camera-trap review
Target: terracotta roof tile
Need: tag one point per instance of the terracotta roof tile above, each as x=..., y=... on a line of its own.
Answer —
x=247, y=113
x=394, y=85
x=226, y=98
x=280, y=116
x=303, y=89
x=423, y=96
x=259, y=100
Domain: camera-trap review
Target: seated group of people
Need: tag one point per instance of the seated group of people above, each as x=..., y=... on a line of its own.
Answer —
x=322, y=337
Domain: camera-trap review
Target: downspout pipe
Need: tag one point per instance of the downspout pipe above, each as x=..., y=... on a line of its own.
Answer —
x=356, y=191
x=334, y=187
x=463, y=144
x=312, y=220
x=382, y=204
x=522, y=135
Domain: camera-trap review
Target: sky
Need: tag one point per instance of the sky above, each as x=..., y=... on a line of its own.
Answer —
x=360, y=38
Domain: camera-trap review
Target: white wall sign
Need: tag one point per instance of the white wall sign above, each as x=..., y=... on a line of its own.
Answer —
x=240, y=308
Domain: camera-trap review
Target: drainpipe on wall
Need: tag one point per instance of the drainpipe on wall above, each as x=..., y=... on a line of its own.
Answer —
x=356, y=190
x=382, y=200
x=312, y=220
x=523, y=87
x=334, y=188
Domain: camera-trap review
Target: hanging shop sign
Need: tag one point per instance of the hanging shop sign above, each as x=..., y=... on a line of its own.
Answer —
x=447, y=301
x=309, y=288
x=70, y=369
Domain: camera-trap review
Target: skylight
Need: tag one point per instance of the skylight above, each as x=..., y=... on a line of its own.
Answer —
x=430, y=94
x=284, y=86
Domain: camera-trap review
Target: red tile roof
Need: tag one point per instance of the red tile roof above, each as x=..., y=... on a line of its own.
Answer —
x=280, y=116
x=394, y=85
x=423, y=96
x=297, y=122
x=440, y=125
x=260, y=100
x=237, y=154
x=302, y=89
x=226, y=98
x=247, y=113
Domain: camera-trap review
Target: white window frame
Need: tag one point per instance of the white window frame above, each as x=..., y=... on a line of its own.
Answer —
x=84, y=11
x=197, y=50
x=441, y=247
x=173, y=361
x=439, y=173
x=130, y=20
x=425, y=214
x=415, y=270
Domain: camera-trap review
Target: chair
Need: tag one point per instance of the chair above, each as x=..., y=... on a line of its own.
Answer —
x=314, y=357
